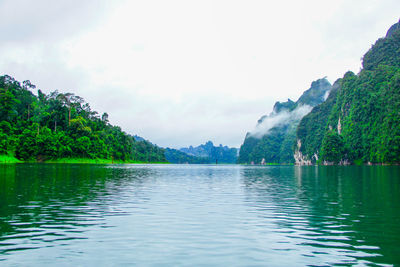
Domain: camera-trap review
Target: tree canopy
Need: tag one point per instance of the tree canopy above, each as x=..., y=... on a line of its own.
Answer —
x=62, y=125
x=360, y=121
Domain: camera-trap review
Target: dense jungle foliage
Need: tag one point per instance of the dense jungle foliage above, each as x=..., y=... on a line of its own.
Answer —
x=62, y=125
x=360, y=122
x=278, y=143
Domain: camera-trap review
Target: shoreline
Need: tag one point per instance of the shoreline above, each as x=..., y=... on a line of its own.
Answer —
x=7, y=159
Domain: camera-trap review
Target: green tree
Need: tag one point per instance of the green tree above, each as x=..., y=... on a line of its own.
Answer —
x=333, y=148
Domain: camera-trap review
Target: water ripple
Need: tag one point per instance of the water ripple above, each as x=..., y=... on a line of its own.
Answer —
x=198, y=215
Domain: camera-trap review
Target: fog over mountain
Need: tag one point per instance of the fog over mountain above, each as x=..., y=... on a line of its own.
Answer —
x=273, y=139
x=278, y=119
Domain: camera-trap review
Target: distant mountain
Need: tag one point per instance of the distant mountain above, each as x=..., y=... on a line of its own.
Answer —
x=273, y=140
x=360, y=121
x=179, y=157
x=220, y=154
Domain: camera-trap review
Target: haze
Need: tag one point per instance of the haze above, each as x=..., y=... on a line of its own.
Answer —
x=180, y=73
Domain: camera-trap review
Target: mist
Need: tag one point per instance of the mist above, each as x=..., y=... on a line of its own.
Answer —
x=326, y=95
x=278, y=119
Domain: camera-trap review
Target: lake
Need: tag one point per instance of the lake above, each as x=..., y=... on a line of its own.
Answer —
x=198, y=215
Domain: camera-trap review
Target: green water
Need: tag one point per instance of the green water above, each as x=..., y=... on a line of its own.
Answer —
x=198, y=215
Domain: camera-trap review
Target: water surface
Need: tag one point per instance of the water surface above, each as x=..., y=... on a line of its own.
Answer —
x=198, y=215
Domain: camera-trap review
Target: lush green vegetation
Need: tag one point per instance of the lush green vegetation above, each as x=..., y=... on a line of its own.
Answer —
x=312, y=127
x=278, y=143
x=267, y=148
x=98, y=161
x=8, y=159
x=333, y=147
x=360, y=122
x=62, y=126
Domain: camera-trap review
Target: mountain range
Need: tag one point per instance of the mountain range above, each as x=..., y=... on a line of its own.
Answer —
x=360, y=121
x=205, y=153
x=354, y=121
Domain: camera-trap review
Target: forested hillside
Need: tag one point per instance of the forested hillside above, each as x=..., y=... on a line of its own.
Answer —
x=273, y=140
x=360, y=121
x=62, y=125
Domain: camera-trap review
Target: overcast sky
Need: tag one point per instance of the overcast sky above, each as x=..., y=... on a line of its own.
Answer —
x=180, y=73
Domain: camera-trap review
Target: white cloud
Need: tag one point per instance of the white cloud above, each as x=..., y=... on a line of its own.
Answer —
x=183, y=72
x=279, y=119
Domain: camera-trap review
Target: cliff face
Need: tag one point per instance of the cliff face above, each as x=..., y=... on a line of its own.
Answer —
x=273, y=139
x=360, y=121
x=312, y=128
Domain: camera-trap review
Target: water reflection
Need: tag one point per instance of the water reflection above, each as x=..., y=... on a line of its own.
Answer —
x=47, y=205
x=349, y=215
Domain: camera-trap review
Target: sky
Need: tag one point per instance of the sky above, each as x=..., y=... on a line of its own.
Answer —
x=180, y=73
